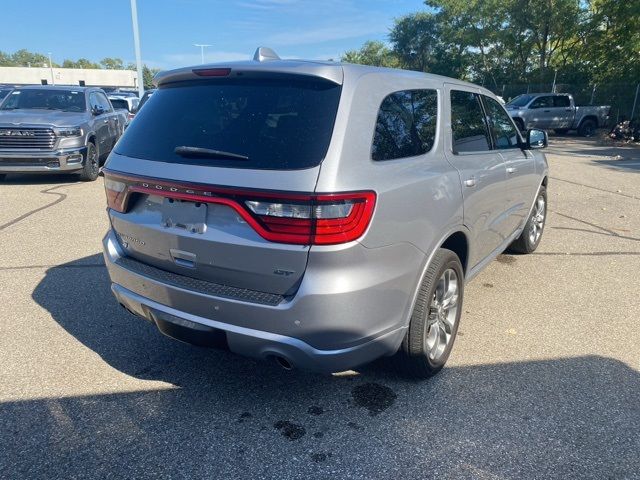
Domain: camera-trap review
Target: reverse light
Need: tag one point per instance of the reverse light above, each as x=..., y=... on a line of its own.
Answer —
x=295, y=218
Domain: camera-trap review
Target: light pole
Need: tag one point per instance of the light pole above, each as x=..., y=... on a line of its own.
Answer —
x=553, y=88
x=53, y=79
x=136, y=43
x=202, y=47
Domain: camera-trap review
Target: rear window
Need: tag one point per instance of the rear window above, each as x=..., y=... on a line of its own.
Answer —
x=280, y=124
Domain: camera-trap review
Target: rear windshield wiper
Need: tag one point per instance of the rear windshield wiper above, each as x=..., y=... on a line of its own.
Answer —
x=208, y=153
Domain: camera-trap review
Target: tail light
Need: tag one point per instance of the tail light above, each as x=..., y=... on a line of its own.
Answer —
x=302, y=219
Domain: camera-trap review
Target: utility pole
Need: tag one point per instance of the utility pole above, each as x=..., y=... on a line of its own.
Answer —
x=202, y=47
x=555, y=75
x=53, y=79
x=136, y=43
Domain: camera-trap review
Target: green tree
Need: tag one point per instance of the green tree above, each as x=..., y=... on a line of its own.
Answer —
x=25, y=58
x=112, y=63
x=147, y=76
x=372, y=53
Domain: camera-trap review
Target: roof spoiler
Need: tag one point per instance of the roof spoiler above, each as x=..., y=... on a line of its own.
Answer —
x=264, y=54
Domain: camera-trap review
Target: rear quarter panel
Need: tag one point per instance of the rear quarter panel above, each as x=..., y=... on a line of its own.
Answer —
x=418, y=198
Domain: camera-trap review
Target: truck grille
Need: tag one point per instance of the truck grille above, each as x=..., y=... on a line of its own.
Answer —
x=24, y=138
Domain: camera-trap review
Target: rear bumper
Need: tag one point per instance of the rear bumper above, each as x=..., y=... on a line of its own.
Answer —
x=355, y=319
x=65, y=160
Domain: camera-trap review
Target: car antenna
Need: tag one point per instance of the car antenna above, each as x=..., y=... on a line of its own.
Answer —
x=264, y=54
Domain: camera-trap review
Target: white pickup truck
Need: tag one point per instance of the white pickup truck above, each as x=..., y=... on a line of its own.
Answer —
x=556, y=111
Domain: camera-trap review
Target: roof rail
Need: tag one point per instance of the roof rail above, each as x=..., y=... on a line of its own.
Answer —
x=264, y=54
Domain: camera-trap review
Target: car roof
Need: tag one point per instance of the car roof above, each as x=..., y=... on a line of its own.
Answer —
x=329, y=70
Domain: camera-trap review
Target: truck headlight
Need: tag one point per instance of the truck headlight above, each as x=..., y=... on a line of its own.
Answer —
x=69, y=132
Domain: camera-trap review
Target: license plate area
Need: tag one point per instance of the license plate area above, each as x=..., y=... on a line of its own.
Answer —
x=190, y=216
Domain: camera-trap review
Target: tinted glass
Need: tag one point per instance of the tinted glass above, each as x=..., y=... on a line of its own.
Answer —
x=504, y=132
x=519, y=101
x=406, y=124
x=468, y=124
x=561, y=101
x=542, y=102
x=283, y=123
x=4, y=92
x=41, y=98
x=119, y=103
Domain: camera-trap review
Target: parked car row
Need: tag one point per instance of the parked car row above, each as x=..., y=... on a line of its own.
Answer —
x=60, y=128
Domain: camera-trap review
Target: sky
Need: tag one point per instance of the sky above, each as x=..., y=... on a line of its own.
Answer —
x=95, y=29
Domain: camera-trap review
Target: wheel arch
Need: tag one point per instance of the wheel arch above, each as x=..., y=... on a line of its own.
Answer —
x=589, y=117
x=458, y=243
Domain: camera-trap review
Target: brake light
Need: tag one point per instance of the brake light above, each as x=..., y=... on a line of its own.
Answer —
x=302, y=219
x=212, y=72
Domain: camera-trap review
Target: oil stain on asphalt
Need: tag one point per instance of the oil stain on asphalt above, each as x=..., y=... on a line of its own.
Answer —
x=374, y=397
x=290, y=430
x=506, y=259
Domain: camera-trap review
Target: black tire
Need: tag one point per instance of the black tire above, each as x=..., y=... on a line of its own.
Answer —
x=561, y=131
x=526, y=242
x=587, y=128
x=91, y=166
x=413, y=358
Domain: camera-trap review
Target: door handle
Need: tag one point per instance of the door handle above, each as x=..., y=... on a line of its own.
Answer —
x=511, y=170
x=546, y=111
x=568, y=110
x=470, y=182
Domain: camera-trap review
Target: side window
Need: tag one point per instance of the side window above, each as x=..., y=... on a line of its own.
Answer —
x=504, y=132
x=104, y=101
x=468, y=124
x=542, y=102
x=93, y=100
x=561, y=101
x=406, y=125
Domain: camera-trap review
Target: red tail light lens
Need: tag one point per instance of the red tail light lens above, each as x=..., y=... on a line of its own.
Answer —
x=212, y=72
x=302, y=219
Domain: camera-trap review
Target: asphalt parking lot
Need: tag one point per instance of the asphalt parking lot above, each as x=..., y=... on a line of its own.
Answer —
x=544, y=380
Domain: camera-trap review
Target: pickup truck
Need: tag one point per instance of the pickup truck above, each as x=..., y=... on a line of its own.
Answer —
x=57, y=129
x=556, y=111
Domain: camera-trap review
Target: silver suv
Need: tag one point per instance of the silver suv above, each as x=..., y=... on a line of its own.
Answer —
x=317, y=214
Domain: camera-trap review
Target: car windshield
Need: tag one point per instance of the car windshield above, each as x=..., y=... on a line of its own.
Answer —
x=119, y=103
x=278, y=123
x=4, y=92
x=520, y=101
x=47, y=99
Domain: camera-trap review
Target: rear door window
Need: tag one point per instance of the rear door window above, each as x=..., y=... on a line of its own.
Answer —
x=560, y=101
x=468, y=123
x=406, y=125
x=282, y=123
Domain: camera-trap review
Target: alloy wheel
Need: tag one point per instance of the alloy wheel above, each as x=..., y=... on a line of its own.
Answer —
x=443, y=314
x=537, y=220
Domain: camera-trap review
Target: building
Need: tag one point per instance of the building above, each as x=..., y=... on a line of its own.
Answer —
x=68, y=76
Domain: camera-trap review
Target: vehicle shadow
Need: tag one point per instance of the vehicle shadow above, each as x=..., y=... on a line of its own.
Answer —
x=224, y=416
x=40, y=179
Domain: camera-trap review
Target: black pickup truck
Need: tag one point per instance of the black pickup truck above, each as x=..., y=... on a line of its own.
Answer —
x=57, y=129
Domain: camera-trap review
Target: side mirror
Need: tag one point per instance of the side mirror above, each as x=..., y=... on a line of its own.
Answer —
x=536, y=139
x=97, y=110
